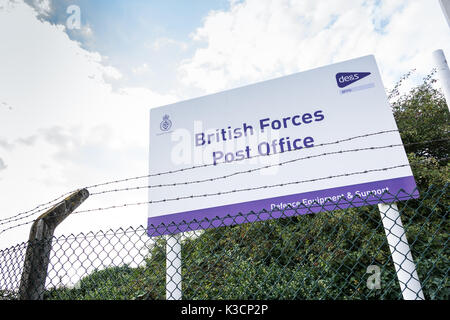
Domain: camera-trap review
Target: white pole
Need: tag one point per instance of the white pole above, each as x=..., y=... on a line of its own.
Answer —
x=445, y=6
x=443, y=73
x=401, y=253
x=173, y=267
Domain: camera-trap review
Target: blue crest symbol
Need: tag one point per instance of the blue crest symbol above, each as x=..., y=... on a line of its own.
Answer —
x=166, y=124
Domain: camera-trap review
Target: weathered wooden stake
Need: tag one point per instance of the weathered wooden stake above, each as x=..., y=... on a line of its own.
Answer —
x=39, y=247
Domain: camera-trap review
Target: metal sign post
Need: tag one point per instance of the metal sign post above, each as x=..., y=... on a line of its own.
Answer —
x=400, y=252
x=173, y=267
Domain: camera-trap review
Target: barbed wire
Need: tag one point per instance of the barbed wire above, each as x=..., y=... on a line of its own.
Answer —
x=30, y=214
x=24, y=215
x=251, y=157
x=182, y=170
x=224, y=192
x=33, y=211
x=252, y=188
x=315, y=204
x=262, y=168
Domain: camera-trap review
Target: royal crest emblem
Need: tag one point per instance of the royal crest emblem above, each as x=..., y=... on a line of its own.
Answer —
x=166, y=124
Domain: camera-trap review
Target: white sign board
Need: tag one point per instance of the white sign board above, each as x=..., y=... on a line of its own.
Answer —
x=302, y=141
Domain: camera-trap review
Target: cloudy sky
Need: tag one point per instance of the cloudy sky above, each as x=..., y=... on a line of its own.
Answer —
x=75, y=99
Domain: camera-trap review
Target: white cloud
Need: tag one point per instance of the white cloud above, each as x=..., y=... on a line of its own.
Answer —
x=255, y=40
x=86, y=30
x=110, y=73
x=142, y=69
x=43, y=7
x=67, y=127
x=5, y=106
x=2, y=164
x=164, y=42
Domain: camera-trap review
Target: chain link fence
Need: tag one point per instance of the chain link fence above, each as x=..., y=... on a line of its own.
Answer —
x=339, y=253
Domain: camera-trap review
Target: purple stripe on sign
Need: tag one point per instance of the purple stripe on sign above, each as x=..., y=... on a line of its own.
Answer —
x=357, y=195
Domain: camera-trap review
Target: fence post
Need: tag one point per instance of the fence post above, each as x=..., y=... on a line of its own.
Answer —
x=37, y=255
x=173, y=267
x=400, y=252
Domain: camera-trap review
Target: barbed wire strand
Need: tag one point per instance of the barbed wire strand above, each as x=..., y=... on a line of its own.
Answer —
x=226, y=192
x=48, y=204
x=174, y=184
x=31, y=212
x=252, y=157
x=194, y=167
x=315, y=204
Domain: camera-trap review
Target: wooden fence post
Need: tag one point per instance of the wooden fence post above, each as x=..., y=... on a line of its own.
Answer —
x=39, y=247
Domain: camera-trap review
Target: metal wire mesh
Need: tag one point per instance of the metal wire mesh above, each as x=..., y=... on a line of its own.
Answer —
x=334, y=254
